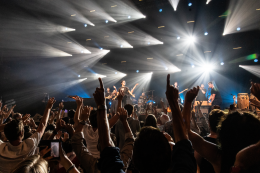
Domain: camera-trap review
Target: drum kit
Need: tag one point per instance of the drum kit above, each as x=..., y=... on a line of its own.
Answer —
x=145, y=102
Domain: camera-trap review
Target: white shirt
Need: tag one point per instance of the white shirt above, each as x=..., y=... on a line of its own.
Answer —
x=91, y=138
x=11, y=155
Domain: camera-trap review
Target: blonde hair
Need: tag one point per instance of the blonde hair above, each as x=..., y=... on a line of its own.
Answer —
x=32, y=164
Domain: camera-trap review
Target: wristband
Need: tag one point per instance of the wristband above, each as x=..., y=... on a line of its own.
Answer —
x=70, y=168
x=102, y=107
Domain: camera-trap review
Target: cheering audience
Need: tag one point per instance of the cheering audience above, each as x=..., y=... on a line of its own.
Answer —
x=188, y=142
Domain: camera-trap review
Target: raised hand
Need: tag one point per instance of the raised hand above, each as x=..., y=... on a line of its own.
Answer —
x=172, y=94
x=85, y=113
x=45, y=151
x=79, y=101
x=51, y=103
x=255, y=90
x=191, y=94
x=66, y=137
x=123, y=114
x=60, y=124
x=99, y=94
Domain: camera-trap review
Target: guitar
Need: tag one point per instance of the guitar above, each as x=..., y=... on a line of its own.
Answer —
x=183, y=91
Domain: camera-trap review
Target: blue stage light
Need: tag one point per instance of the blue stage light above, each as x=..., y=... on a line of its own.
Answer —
x=190, y=4
x=137, y=71
x=193, y=66
x=85, y=25
x=206, y=33
x=129, y=17
x=222, y=63
x=160, y=10
x=78, y=75
x=106, y=21
x=256, y=60
x=101, y=48
x=178, y=38
x=238, y=29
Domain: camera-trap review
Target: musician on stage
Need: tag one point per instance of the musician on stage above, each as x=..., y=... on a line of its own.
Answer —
x=127, y=93
x=143, y=96
x=201, y=95
x=176, y=85
x=215, y=97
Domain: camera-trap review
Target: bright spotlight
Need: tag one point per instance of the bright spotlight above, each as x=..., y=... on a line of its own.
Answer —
x=178, y=38
x=190, y=4
x=206, y=33
x=193, y=66
x=166, y=68
x=78, y=75
x=160, y=10
x=151, y=73
x=238, y=29
x=256, y=60
x=207, y=67
x=85, y=25
x=144, y=16
x=129, y=17
x=115, y=72
x=66, y=28
x=106, y=21
x=82, y=51
x=191, y=39
x=121, y=46
x=101, y=48
x=137, y=71
x=224, y=33
x=148, y=43
x=222, y=63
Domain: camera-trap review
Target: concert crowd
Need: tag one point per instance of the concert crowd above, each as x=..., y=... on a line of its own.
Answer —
x=178, y=138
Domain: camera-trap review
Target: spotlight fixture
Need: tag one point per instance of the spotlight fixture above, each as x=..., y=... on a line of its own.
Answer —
x=129, y=17
x=191, y=39
x=82, y=51
x=255, y=60
x=206, y=33
x=137, y=71
x=106, y=21
x=144, y=16
x=148, y=43
x=121, y=46
x=85, y=25
x=193, y=66
x=160, y=10
x=101, y=48
x=238, y=29
x=178, y=38
x=166, y=68
x=78, y=75
x=222, y=63
x=190, y=4
x=115, y=72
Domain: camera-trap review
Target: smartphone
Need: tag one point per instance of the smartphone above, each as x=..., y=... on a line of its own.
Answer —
x=53, y=145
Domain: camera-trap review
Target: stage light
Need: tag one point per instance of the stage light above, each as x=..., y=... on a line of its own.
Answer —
x=166, y=68
x=85, y=25
x=190, y=4
x=207, y=67
x=82, y=51
x=151, y=73
x=66, y=28
x=144, y=16
x=148, y=43
x=115, y=72
x=78, y=75
x=101, y=48
x=137, y=71
x=160, y=10
x=129, y=17
x=222, y=63
x=238, y=29
x=178, y=38
x=224, y=34
x=206, y=33
x=121, y=46
x=193, y=66
x=256, y=60
x=106, y=21
x=191, y=39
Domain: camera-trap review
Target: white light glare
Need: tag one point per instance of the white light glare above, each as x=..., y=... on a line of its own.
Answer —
x=78, y=75
x=178, y=38
x=101, y=48
x=115, y=72
x=85, y=25
x=106, y=21
x=121, y=46
x=193, y=66
x=166, y=68
x=207, y=67
x=191, y=39
x=190, y=4
x=206, y=33
x=208, y=1
x=137, y=71
x=129, y=17
x=238, y=29
x=222, y=63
